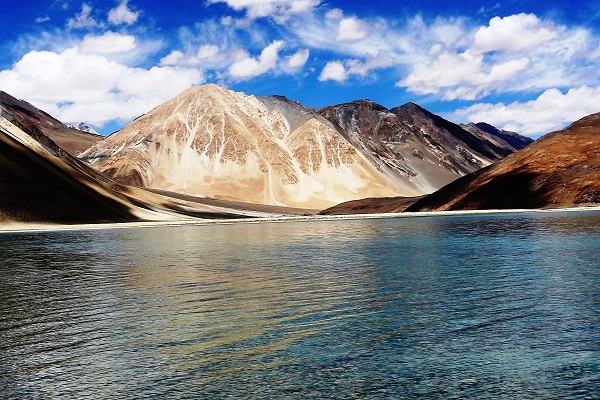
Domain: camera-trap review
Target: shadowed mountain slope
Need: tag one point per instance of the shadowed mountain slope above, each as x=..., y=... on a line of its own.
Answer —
x=561, y=169
x=508, y=139
x=37, y=184
x=374, y=205
x=73, y=141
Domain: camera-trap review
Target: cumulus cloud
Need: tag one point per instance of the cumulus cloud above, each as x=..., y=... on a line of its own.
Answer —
x=279, y=10
x=514, y=33
x=250, y=67
x=83, y=19
x=76, y=85
x=342, y=70
x=122, y=14
x=107, y=44
x=463, y=74
x=550, y=111
x=351, y=30
x=335, y=13
x=334, y=71
x=514, y=53
x=298, y=59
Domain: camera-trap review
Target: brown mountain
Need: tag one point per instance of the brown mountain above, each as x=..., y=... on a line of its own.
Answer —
x=561, y=169
x=73, y=141
x=213, y=142
x=372, y=205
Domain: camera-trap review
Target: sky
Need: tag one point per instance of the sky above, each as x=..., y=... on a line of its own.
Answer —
x=522, y=65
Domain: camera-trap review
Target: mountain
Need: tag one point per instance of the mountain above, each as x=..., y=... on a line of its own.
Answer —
x=511, y=140
x=372, y=205
x=42, y=183
x=82, y=126
x=213, y=142
x=427, y=149
x=561, y=169
x=38, y=183
x=71, y=140
x=217, y=143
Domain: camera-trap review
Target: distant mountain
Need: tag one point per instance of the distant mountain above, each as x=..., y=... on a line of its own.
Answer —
x=509, y=139
x=82, y=126
x=21, y=112
x=561, y=169
x=373, y=205
x=213, y=142
x=427, y=149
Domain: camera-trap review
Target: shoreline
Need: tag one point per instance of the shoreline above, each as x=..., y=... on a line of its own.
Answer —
x=17, y=227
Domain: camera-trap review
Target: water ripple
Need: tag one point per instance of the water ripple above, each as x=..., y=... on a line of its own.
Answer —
x=452, y=307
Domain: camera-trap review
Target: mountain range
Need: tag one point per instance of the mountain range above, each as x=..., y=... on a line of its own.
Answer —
x=559, y=170
x=214, y=153
x=213, y=142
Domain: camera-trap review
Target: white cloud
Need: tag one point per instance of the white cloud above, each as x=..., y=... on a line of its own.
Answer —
x=513, y=33
x=279, y=10
x=352, y=30
x=208, y=52
x=107, y=44
x=39, y=20
x=515, y=53
x=358, y=67
x=175, y=57
x=83, y=19
x=122, y=14
x=251, y=67
x=334, y=71
x=462, y=74
x=335, y=13
x=552, y=110
x=298, y=59
x=207, y=56
x=74, y=86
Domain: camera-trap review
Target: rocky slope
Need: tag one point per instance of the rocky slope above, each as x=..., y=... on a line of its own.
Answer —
x=424, y=147
x=561, y=169
x=217, y=143
x=73, y=141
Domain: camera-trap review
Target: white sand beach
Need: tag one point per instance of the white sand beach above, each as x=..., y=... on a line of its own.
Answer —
x=10, y=226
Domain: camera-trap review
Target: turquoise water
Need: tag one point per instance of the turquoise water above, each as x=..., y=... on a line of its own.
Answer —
x=485, y=306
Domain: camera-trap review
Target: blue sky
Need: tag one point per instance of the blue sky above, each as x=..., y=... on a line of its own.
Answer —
x=522, y=65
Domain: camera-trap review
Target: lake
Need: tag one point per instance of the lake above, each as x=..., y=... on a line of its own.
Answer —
x=496, y=306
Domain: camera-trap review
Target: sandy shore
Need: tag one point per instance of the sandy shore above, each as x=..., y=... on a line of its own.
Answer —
x=33, y=227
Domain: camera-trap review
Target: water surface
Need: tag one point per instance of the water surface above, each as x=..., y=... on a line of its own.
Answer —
x=483, y=306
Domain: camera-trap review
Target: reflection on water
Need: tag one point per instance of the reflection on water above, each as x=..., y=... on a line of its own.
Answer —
x=504, y=306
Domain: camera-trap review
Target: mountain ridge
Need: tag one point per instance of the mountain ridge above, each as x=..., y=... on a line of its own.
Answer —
x=71, y=140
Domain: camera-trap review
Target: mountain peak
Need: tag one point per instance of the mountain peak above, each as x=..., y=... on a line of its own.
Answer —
x=82, y=126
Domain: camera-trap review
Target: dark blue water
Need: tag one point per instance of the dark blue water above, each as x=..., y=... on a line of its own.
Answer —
x=486, y=307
